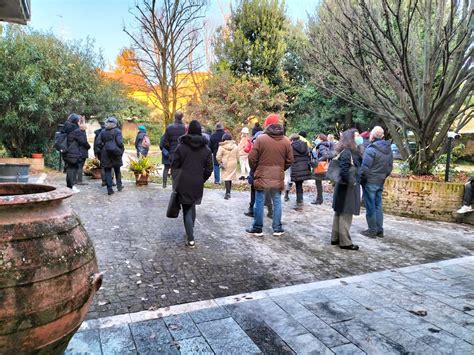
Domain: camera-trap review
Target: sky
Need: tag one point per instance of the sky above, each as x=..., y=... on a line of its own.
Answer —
x=103, y=20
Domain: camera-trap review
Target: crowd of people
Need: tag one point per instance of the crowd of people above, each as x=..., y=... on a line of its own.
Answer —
x=271, y=162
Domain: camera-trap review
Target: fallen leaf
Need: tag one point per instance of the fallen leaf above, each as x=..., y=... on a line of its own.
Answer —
x=223, y=287
x=421, y=313
x=175, y=291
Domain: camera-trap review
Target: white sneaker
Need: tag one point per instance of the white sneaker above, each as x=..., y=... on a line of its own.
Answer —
x=75, y=189
x=465, y=209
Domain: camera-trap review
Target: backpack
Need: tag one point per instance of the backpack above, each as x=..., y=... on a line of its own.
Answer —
x=146, y=142
x=60, y=142
x=248, y=147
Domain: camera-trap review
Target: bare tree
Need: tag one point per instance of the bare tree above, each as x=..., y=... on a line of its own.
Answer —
x=409, y=61
x=166, y=43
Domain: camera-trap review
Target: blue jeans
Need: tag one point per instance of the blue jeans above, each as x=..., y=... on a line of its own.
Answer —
x=373, y=207
x=217, y=172
x=258, y=209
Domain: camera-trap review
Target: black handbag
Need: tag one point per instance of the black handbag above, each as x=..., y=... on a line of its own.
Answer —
x=334, y=171
x=173, y=206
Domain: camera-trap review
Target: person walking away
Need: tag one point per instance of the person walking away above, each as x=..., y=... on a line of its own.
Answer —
x=301, y=167
x=270, y=157
x=377, y=165
x=256, y=128
x=245, y=146
x=73, y=155
x=323, y=151
x=191, y=167
x=468, y=197
x=142, y=142
x=346, y=198
x=214, y=141
x=165, y=160
x=84, y=152
x=227, y=156
x=172, y=134
x=303, y=136
x=112, y=148
x=97, y=149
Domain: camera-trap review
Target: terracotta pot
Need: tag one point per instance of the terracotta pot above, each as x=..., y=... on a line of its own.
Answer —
x=141, y=179
x=48, y=269
x=95, y=173
x=37, y=155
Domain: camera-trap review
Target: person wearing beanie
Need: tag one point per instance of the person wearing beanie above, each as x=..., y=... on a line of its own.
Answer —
x=227, y=156
x=270, y=157
x=214, y=141
x=142, y=142
x=191, y=167
x=112, y=149
x=256, y=128
x=172, y=134
x=304, y=137
x=245, y=146
x=76, y=142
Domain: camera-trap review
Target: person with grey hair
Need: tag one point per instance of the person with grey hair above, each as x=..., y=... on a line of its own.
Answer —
x=377, y=165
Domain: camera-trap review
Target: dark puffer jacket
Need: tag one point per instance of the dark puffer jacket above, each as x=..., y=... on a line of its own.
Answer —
x=85, y=148
x=300, y=169
x=107, y=160
x=191, y=167
x=76, y=139
x=326, y=150
x=346, y=198
x=377, y=163
x=214, y=141
x=138, y=143
x=171, y=136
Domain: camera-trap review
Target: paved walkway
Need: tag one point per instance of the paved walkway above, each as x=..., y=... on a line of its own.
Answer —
x=147, y=265
x=425, y=309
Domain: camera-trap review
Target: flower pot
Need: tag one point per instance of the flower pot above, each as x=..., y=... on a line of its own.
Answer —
x=141, y=179
x=48, y=269
x=37, y=155
x=95, y=173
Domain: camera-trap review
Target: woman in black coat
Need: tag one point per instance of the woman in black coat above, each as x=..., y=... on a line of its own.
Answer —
x=191, y=167
x=111, y=152
x=301, y=167
x=346, y=199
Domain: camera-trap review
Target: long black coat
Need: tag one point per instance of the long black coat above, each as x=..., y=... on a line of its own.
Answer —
x=85, y=148
x=171, y=136
x=165, y=154
x=346, y=198
x=76, y=139
x=107, y=160
x=214, y=141
x=191, y=167
x=300, y=169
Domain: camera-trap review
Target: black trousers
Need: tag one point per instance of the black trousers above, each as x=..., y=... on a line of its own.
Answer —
x=80, y=169
x=299, y=191
x=71, y=174
x=319, y=190
x=189, y=217
x=108, y=177
x=165, y=174
x=468, y=195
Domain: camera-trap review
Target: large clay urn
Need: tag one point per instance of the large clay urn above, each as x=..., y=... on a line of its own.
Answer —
x=48, y=269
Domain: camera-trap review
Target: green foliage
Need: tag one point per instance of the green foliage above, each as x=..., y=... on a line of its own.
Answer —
x=253, y=41
x=440, y=164
x=43, y=80
x=143, y=166
x=233, y=100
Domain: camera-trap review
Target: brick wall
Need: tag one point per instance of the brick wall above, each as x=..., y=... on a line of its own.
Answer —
x=425, y=200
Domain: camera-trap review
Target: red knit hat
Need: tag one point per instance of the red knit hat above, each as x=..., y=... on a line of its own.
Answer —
x=272, y=118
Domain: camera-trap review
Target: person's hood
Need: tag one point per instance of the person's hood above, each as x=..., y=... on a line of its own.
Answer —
x=300, y=146
x=256, y=135
x=194, y=140
x=141, y=133
x=276, y=131
x=69, y=127
x=228, y=145
x=382, y=146
x=325, y=143
x=110, y=125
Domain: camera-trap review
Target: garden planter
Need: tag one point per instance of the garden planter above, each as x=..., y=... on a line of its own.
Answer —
x=141, y=179
x=95, y=173
x=48, y=269
x=14, y=172
x=37, y=155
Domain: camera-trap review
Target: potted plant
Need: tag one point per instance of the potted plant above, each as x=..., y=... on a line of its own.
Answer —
x=142, y=168
x=37, y=155
x=92, y=168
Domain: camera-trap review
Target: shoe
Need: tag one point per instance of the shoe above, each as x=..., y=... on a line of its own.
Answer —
x=270, y=214
x=227, y=196
x=254, y=232
x=164, y=186
x=334, y=243
x=75, y=189
x=369, y=234
x=249, y=214
x=104, y=184
x=287, y=196
x=242, y=178
x=114, y=184
x=217, y=183
x=316, y=202
x=464, y=209
x=299, y=204
x=278, y=233
x=350, y=247
x=380, y=234
x=191, y=244
x=120, y=188
x=110, y=192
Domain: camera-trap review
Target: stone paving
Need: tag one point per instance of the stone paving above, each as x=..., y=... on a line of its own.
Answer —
x=424, y=309
x=147, y=265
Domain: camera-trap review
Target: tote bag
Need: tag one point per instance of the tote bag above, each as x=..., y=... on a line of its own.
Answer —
x=173, y=206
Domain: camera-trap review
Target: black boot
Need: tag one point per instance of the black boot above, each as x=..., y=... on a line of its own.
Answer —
x=287, y=195
x=228, y=186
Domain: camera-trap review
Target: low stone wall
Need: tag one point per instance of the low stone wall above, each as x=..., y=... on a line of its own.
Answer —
x=35, y=164
x=436, y=201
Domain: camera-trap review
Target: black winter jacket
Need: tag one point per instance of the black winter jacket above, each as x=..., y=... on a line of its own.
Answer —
x=97, y=133
x=165, y=154
x=171, y=136
x=301, y=168
x=107, y=160
x=377, y=163
x=214, y=141
x=76, y=139
x=326, y=151
x=346, y=198
x=85, y=148
x=191, y=167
